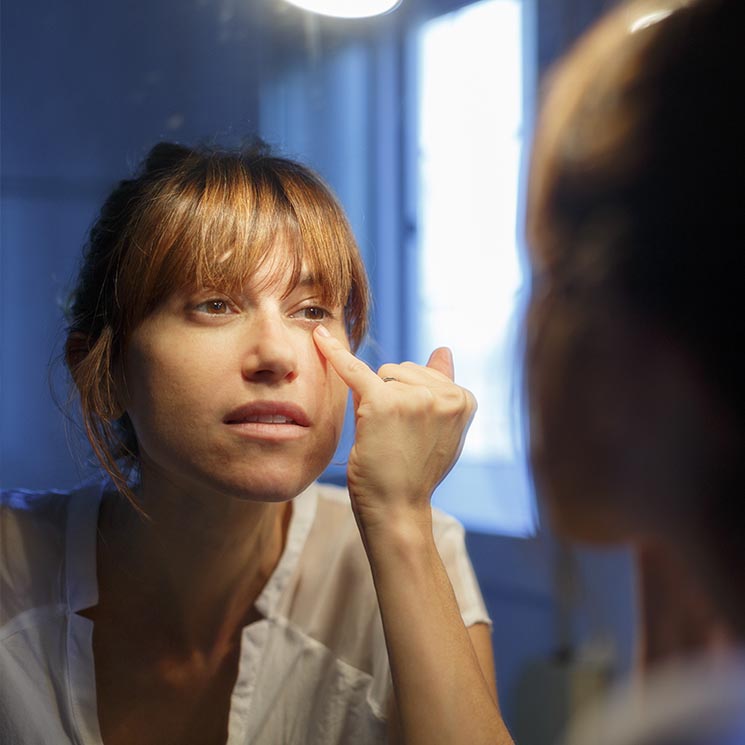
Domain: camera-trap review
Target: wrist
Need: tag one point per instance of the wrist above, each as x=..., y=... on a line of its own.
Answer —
x=392, y=516
x=396, y=535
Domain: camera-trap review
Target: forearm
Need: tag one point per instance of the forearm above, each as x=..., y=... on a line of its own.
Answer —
x=410, y=425
x=441, y=693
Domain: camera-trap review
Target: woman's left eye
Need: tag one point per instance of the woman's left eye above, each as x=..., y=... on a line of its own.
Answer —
x=312, y=313
x=213, y=307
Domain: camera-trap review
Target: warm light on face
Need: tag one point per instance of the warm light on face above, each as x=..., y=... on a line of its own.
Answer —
x=347, y=8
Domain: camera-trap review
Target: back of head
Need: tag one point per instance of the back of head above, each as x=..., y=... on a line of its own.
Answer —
x=650, y=153
x=636, y=203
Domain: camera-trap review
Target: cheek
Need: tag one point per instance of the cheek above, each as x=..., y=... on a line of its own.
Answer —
x=165, y=389
x=568, y=442
x=332, y=391
x=335, y=390
x=339, y=394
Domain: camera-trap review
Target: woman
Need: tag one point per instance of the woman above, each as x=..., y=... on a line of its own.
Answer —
x=208, y=590
x=635, y=369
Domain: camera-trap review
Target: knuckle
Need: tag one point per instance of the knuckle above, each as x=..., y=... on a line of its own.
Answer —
x=386, y=370
x=355, y=366
x=458, y=401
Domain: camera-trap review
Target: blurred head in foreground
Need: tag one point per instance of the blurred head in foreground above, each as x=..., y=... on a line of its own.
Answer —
x=635, y=357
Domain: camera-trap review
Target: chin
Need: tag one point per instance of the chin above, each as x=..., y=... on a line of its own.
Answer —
x=272, y=496
x=280, y=486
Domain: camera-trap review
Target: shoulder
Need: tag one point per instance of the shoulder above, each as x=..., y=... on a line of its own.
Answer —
x=449, y=533
x=334, y=502
x=697, y=701
x=334, y=515
x=26, y=509
x=450, y=538
x=338, y=537
x=33, y=525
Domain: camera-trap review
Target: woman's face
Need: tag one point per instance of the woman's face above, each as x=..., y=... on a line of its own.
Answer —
x=229, y=394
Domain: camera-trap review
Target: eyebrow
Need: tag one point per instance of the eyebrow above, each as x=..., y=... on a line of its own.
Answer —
x=307, y=280
x=317, y=285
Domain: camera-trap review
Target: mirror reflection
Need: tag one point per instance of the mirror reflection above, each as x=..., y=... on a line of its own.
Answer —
x=316, y=159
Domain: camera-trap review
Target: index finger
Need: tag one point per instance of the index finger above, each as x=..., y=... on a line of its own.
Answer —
x=354, y=372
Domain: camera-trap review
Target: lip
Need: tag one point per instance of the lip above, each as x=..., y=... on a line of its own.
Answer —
x=268, y=419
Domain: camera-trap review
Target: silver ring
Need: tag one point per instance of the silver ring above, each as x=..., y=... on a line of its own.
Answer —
x=388, y=380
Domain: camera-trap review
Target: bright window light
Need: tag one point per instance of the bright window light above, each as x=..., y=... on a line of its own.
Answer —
x=470, y=139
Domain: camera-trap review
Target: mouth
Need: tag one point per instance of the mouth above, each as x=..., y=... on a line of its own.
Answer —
x=268, y=420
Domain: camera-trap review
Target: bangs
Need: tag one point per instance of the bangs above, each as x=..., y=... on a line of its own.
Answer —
x=218, y=220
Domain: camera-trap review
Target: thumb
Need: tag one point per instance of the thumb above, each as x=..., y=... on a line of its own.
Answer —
x=442, y=361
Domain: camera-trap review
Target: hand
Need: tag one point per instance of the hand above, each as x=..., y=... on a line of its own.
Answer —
x=409, y=431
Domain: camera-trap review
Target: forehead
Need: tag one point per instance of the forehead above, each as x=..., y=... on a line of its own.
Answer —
x=281, y=269
x=236, y=244
x=232, y=229
x=279, y=275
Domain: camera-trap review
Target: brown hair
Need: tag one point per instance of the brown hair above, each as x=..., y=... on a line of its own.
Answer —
x=636, y=189
x=196, y=217
x=636, y=205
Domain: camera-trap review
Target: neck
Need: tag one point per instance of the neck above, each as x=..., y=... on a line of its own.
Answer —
x=679, y=614
x=194, y=566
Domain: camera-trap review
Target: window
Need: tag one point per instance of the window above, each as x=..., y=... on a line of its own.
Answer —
x=468, y=276
x=420, y=131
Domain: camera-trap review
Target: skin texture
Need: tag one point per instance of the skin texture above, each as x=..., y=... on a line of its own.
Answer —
x=203, y=354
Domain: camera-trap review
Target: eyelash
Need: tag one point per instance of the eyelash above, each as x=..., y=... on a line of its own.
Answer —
x=327, y=314
x=207, y=307
x=213, y=301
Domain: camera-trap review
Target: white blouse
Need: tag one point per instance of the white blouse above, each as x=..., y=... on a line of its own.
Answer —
x=313, y=670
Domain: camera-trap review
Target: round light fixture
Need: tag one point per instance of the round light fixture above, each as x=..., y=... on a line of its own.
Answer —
x=347, y=8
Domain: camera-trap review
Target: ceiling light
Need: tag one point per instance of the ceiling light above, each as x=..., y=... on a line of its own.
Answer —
x=347, y=8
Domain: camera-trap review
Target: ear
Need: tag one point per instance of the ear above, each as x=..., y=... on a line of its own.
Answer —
x=76, y=350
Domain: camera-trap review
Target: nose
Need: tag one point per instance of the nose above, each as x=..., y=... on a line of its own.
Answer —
x=270, y=353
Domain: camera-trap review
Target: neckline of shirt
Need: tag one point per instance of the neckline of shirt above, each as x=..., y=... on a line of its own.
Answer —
x=80, y=590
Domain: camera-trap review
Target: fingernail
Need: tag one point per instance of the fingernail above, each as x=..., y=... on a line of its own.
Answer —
x=322, y=331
